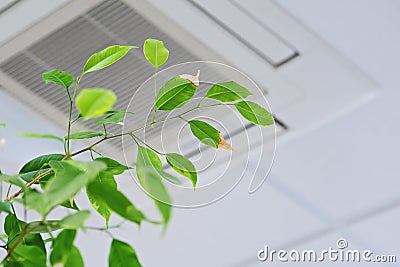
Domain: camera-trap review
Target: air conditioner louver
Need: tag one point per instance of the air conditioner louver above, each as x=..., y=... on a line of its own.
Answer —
x=67, y=48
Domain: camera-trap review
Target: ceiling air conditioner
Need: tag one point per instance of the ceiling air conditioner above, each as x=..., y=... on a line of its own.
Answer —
x=306, y=82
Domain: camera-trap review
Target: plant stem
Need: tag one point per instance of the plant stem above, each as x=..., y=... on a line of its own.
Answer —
x=182, y=118
x=70, y=155
x=105, y=130
x=29, y=184
x=20, y=239
x=92, y=145
x=144, y=143
x=71, y=102
x=104, y=228
x=97, y=152
x=155, y=94
x=91, y=154
x=8, y=190
x=201, y=100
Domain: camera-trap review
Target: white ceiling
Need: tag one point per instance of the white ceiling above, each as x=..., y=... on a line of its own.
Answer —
x=340, y=180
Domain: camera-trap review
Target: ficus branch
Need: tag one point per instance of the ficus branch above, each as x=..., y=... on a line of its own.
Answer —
x=20, y=239
x=71, y=102
x=155, y=94
x=131, y=133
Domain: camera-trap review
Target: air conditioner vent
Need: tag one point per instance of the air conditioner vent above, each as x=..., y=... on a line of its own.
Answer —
x=68, y=47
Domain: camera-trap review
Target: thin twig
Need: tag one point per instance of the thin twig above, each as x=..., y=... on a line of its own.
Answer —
x=155, y=94
x=71, y=102
x=20, y=239
x=144, y=143
x=110, y=137
x=105, y=130
x=29, y=184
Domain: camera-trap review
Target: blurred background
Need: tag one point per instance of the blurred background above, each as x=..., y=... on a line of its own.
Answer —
x=329, y=70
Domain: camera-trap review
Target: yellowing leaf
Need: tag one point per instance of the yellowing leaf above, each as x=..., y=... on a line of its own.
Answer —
x=222, y=144
x=193, y=79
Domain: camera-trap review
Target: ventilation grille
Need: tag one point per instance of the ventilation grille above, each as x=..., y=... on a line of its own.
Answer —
x=110, y=22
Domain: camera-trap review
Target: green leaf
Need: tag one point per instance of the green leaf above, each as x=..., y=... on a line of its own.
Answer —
x=74, y=258
x=70, y=177
x=206, y=133
x=148, y=158
x=67, y=204
x=41, y=136
x=147, y=166
x=62, y=247
x=117, y=202
x=174, y=94
x=228, y=92
x=76, y=220
x=28, y=256
x=40, y=227
x=113, y=166
x=106, y=57
x=29, y=176
x=40, y=162
x=105, y=178
x=169, y=177
x=155, y=52
x=122, y=255
x=254, y=113
x=85, y=135
x=58, y=77
x=150, y=179
x=94, y=102
x=115, y=116
x=183, y=166
x=37, y=166
x=165, y=175
x=120, y=111
x=12, y=180
x=14, y=228
x=5, y=206
x=3, y=124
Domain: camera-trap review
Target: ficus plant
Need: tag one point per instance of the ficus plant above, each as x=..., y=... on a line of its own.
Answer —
x=52, y=181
